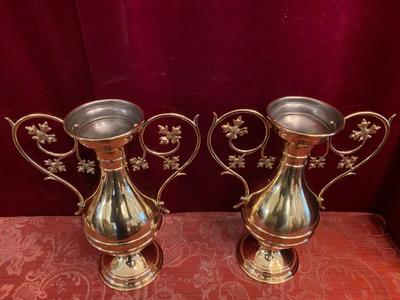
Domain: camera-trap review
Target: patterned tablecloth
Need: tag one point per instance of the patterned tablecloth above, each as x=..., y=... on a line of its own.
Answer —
x=349, y=257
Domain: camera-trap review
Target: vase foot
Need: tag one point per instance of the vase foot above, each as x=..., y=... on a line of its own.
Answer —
x=265, y=265
x=133, y=271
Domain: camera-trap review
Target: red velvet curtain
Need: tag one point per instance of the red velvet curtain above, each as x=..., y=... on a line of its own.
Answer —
x=198, y=57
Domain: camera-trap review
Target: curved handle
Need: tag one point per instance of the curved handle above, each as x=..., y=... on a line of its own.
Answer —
x=168, y=136
x=41, y=134
x=348, y=160
x=233, y=132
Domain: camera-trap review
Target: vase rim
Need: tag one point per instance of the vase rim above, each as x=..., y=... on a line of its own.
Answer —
x=305, y=116
x=102, y=120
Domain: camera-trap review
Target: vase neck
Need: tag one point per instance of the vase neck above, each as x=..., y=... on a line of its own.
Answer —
x=295, y=154
x=112, y=159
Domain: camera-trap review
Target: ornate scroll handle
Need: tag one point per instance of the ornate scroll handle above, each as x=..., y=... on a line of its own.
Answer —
x=170, y=137
x=232, y=133
x=363, y=135
x=50, y=176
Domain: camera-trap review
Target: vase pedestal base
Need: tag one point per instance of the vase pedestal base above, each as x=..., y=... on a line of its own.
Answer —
x=266, y=265
x=133, y=271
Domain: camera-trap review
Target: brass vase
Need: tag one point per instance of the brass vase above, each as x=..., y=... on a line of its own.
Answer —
x=118, y=220
x=285, y=213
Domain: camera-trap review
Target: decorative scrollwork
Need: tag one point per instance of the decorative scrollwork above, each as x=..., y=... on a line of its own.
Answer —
x=55, y=165
x=348, y=160
x=86, y=166
x=170, y=161
x=41, y=134
x=365, y=131
x=238, y=160
x=139, y=163
x=233, y=131
x=316, y=162
x=266, y=162
x=172, y=136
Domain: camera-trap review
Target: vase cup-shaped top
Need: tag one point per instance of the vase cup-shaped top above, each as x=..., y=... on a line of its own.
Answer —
x=117, y=219
x=285, y=213
x=104, y=123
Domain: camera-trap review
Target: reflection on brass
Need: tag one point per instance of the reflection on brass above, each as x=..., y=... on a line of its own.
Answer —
x=118, y=219
x=285, y=213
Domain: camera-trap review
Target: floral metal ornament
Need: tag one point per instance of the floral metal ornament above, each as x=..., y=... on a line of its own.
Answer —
x=169, y=136
x=55, y=165
x=365, y=131
x=86, y=166
x=316, y=162
x=347, y=162
x=236, y=161
x=266, y=162
x=171, y=163
x=41, y=134
x=138, y=163
x=235, y=130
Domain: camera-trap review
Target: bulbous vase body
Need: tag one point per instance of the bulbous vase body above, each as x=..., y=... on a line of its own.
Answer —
x=118, y=219
x=285, y=213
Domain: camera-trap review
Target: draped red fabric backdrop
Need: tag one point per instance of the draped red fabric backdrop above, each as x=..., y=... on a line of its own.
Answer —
x=198, y=57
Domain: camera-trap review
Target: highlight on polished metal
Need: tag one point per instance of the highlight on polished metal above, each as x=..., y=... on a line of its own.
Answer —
x=285, y=213
x=118, y=219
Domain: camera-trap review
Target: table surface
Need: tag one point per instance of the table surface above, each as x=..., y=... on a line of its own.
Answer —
x=349, y=257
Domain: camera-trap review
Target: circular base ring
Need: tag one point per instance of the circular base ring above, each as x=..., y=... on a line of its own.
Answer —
x=266, y=265
x=133, y=271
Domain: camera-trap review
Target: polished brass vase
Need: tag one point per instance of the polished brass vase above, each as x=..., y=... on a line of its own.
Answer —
x=118, y=220
x=285, y=213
